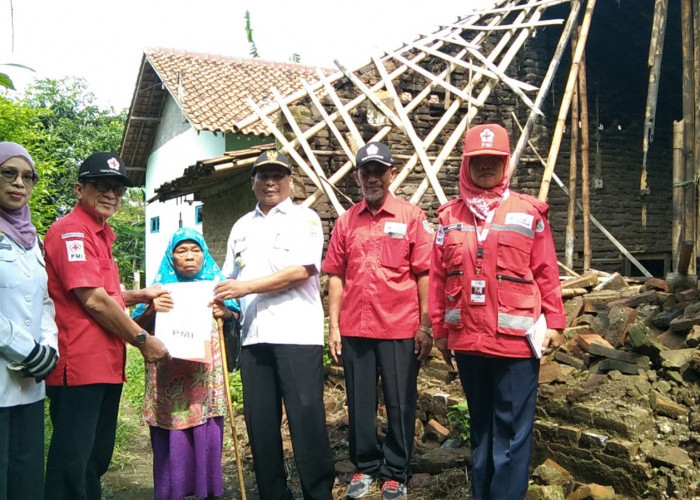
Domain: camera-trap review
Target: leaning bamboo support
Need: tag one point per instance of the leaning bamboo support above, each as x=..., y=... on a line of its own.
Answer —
x=327, y=119
x=689, y=124
x=411, y=133
x=678, y=196
x=696, y=142
x=546, y=83
x=459, y=130
x=656, y=50
x=595, y=221
x=566, y=101
x=371, y=96
x=287, y=146
x=570, y=237
x=326, y=186
x=585, y=164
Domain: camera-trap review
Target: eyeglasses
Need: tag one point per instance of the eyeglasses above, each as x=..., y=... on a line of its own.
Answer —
x=10, y=174
x=104, y=186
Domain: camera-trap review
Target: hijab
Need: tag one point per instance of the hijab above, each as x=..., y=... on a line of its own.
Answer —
x=167, y=273
x=17, y=224
x=487, y=139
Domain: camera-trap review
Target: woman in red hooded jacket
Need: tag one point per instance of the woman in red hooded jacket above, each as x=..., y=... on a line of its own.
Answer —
x=493, y=274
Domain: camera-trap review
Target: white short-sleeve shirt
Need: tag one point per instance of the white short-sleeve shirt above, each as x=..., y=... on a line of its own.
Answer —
x=259, y=245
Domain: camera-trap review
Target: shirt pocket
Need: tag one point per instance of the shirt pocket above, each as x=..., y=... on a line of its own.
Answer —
x=394, y=252
x=513, y=254
x=9, y=270
x=110, y=276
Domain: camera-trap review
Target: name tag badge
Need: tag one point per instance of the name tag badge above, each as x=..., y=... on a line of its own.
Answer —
x=395, y=229
x=477, y=293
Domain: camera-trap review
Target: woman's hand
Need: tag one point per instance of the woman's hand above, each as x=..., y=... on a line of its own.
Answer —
x=161, y=303
x=552, y=339
x=220, y=310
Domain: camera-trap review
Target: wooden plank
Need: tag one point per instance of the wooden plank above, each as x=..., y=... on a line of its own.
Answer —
x=690, y=223
x=587, y=280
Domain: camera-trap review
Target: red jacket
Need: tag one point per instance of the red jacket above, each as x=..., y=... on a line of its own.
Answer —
x=518, y=273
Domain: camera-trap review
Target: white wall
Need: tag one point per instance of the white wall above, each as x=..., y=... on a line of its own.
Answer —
x=178, y=147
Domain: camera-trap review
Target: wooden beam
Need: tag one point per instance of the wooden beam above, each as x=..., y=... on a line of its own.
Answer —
x=418, y=145
x=595, y=221
x=566, y=101
x=689, y=125
x=585, y=163
x=570, y=235
x=326, y=186
x=544, y=87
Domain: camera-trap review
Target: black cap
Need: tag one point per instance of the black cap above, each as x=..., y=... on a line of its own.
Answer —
x=103, y=165
x=374, y=152
x=271, y=157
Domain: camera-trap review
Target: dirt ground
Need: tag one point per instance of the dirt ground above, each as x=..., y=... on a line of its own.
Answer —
x=134, y=481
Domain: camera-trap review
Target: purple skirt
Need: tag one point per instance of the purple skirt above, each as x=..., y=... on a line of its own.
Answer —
x=188, y=462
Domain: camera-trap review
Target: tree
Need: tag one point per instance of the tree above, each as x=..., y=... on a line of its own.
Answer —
x=59, y=124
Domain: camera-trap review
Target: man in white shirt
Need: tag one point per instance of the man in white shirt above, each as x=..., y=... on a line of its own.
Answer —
x=273, y=260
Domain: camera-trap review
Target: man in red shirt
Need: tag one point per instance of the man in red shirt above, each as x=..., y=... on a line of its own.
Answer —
x=93, y=325
x=378, y=261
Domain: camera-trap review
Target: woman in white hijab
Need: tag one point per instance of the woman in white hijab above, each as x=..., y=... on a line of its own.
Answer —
x=28, y=334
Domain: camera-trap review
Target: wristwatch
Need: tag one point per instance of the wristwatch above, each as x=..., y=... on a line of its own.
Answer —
x=140, y=338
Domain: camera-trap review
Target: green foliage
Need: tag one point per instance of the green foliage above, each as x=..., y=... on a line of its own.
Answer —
x=60, y=125
x=5, y=80
x=129, y=223
x=249, y=35
x=458, y=416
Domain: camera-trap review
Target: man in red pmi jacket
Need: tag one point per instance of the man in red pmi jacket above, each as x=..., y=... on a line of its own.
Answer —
x=493, y=273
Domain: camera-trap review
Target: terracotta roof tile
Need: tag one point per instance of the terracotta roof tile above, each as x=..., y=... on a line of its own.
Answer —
x=212, y=90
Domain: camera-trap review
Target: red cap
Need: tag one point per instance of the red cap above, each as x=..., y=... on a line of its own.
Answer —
x=486, y=139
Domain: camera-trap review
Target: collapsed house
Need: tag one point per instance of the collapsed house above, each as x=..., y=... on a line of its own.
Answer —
x=523, y=64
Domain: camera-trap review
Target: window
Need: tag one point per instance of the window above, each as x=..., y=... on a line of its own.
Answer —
x=198, y=214
x=155, y=224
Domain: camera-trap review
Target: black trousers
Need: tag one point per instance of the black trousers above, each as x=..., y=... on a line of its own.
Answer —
x=270, y=374
x=22, y=451
x=84, y=421
x=502, y=396
x=364, y=361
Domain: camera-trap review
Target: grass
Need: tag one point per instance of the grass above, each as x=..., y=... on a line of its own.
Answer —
x=129, y=423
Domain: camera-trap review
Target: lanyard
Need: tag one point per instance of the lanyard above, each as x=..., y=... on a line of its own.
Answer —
x=481, y=234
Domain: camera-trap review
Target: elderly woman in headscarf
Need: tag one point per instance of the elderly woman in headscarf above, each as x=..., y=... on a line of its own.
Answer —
x=493, y=273
x=185, y=400
x=28, y=334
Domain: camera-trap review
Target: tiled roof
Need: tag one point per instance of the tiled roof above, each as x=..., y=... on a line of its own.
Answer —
x=212, y=90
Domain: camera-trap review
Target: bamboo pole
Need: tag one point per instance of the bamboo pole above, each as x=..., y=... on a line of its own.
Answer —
x=229, y=404
x=678, y=189
x=418, y=145
x=326, y=186
x=656, y=50
x=595, y=221
x=566, y=101
x=696, y=143
x=585, y=164
x=570, y=237
x=689, y=125
x=458, y=132
x=546, y=83
x=286, y=146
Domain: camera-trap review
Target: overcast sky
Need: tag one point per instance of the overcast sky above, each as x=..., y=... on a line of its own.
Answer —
x=104, y=41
